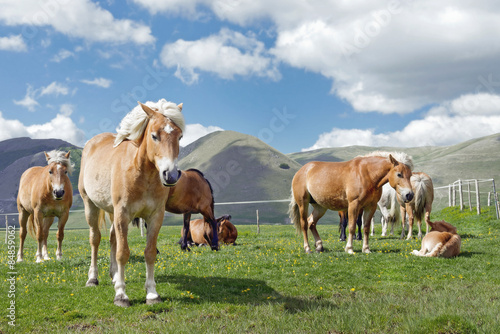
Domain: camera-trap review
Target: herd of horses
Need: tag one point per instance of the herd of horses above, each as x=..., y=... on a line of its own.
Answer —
x=134, y=175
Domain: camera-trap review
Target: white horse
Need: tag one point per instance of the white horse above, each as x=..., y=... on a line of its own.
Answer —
x=390, y=209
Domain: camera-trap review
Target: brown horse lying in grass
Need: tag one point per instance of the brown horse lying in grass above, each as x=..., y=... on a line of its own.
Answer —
x=200, y=232
x=441, y=241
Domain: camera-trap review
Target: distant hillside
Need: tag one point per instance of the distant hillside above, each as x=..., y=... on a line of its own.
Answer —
x=478, y=158
x=241, y=168
x=19, y=154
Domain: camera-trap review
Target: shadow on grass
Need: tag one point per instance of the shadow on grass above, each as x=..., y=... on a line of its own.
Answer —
x=240, y=291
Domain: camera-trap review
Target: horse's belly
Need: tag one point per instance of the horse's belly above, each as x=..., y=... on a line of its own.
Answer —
x=97, y=185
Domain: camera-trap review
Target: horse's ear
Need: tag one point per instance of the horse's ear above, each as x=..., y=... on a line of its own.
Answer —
x=180, y=106
x=67, y=155
x=150, y=112
x=393, y=161
x=46, y=156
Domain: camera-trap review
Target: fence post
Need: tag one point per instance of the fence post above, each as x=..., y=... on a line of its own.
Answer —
x=461, y=195
x=258, y=226
x=478, y=199
x=449, y=195
x=495, y=199
x=489, y=198
x=454, y=201
x=468, y=195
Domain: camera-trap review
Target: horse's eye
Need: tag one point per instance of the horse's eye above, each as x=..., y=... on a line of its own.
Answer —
x=155, y=138
x=50, y=172
x=66, y=172
x=400, y=175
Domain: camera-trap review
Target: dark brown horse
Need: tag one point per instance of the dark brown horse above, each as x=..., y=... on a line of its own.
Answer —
x=350, y=186
x=344, y=219
x=227, y=231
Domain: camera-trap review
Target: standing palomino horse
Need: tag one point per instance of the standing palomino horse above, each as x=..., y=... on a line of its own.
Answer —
x=350, y=186
x=128, y=175
x=45, y=193
x=420, y=206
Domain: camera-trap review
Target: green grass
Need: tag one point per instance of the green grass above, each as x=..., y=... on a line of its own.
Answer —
x=267, y=284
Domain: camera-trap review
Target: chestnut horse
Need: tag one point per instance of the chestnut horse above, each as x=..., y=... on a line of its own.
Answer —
x=45, y=193
x=128, y=175
x=420, y=206
x=441, y=241
x=350, y=186
x=200, y=232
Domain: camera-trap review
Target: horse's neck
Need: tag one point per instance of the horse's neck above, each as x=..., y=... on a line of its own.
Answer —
x=141, y=159
x=379, y=174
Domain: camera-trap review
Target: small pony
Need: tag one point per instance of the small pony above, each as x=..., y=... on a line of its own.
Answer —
x=441, y=241
x=200, y=232
x=45, y=193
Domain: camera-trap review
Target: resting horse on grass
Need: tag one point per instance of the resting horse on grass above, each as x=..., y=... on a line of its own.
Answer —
x=441, y=241
x=350, y=186
x=45, y=193
x=200, y=232
x=128, y=175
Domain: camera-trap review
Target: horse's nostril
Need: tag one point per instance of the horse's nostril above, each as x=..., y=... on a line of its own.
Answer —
x=409, y=196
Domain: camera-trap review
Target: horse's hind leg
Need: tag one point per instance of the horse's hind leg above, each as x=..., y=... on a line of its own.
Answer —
x=303, y=212
x=342, y=225
x=411, y=218
x=317, y=213
x=23, y=219
x=120, y=224
x=60, y=234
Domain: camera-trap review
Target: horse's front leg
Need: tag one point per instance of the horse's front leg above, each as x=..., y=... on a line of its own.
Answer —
x=359, y=221
x=215, y=234
x=91, y=214
x=154, y=226
x=410, y=209
x=23, y=219
x=185, y=232
x=121, y=221
x=367, y=217
x=60, y=233
x=342, y=226
x=40, y=233
x=47, y=223
x=403, y=220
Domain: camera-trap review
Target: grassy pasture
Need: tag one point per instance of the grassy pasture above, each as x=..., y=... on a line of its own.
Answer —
x=266, y=284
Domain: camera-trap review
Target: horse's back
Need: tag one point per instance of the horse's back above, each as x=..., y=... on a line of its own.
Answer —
x=192, y=193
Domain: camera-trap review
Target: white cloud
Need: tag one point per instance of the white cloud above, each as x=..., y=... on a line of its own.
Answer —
x=61, y=55
x=467, y=117
x=100, y=82
x=54, y=88
x=61, y=127
x=226, y=54
x=28, y=101
x=13, y=43
x=196, y=131
x=78, y=18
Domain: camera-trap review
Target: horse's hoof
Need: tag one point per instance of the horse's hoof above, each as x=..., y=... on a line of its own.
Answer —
x=153, y=301
x=320, y=250
x=92, y=282
x=215, y=248
x=349, y=251
x=121, y=301
x=366, y=251
x=19, y=259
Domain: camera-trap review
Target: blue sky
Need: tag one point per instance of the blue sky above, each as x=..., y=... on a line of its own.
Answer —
x=297, y=74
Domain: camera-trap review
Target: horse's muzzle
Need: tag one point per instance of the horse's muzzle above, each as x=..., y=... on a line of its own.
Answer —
x=58, y=194
x=408, y=197
x=170, y=178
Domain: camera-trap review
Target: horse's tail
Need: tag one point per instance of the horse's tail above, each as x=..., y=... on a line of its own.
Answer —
x=294, y=213
x=424, y=192
x=32, y=228
x=101, y=220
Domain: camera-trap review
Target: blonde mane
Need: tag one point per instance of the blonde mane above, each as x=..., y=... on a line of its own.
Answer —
x=399, y=156
x=59, y=157
x=134, y=123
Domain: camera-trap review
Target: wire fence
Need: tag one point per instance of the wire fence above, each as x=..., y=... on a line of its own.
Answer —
x=469, y=194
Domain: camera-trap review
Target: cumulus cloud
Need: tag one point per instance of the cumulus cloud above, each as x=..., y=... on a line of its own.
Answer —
x=467, y=117
x=226, y=54
x=100, y=82
x=78, y=18
x=61, y=127
x=196, y=131
x=13, y=43
x=30, y=99
x=61, y=55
